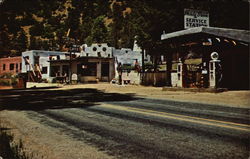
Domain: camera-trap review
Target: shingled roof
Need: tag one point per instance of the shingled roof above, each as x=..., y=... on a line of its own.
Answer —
x=234, y=34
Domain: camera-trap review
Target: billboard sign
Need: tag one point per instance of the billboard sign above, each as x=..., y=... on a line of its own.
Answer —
x=195, y=18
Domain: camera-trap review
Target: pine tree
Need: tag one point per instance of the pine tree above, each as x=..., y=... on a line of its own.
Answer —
x=147, y=20
x=98, y=31
x=21, y=42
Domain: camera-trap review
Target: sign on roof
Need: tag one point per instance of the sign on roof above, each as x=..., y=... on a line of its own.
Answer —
x=195, y=18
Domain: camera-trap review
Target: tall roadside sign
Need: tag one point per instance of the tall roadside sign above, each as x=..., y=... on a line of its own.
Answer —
x=195, y=18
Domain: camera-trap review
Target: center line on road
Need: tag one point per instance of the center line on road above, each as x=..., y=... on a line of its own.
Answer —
x=217, y=123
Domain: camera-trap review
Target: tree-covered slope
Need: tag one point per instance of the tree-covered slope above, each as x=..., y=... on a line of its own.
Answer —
x=43, y=24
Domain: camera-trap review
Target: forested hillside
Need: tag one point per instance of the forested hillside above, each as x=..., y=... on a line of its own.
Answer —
x=43, y=24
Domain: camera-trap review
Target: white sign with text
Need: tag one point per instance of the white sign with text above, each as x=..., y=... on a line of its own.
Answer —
x=195, y=18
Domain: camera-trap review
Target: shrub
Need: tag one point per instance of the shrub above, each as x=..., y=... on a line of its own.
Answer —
x=5, y=82
x=6, y=75
x=8, y=149
x=14, y=80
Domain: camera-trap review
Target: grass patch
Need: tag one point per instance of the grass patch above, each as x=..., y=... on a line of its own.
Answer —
x=9, y=149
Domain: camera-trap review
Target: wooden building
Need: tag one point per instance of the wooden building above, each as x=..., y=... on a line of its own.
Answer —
x=207, y=57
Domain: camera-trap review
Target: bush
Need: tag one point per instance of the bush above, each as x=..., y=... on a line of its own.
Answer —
x=14, y=81
x=8, y=149
x=5, y=82
x=6, y=75
x=8, y=79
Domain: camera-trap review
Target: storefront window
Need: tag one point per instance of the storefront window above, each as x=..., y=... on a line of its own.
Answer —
x=87, y=69
x=65, y=70
x=55, y=70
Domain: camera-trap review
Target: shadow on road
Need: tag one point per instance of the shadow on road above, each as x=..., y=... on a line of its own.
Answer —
x=42, y=99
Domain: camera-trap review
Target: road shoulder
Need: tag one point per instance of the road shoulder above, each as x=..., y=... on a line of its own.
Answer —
x=240, y=99
x=44, y=142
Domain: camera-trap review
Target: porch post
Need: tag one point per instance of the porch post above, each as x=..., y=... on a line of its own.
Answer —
x=111, y=69
x=70, y=64
x=142, y=72
x=180, y=73
x=169, y=68
x=99, y=70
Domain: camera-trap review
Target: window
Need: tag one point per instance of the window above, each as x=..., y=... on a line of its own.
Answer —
x=36, y=59
x=44, y=70
x=99, y=54
x=12, y=66
x=20, y=66
x=87, y=69
x=94, y=48
x=65, y=70
x=16, y=67
x=4, y=67
x=54, y=71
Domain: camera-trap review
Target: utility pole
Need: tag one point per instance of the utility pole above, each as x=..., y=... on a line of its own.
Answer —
x=143, y=66
x=70, y=63
x=169, y=68
x=70, y=47
x=142, y=62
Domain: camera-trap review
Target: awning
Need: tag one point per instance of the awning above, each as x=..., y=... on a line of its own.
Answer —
x=82, y=58
x=234, y=34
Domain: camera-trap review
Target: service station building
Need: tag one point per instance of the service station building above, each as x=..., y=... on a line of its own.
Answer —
x=208, y=57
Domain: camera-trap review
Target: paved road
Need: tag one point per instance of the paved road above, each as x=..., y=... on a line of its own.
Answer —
x=126, y=126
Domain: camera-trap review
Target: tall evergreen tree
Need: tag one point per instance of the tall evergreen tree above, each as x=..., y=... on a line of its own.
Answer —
x=50, y=20
x=20, y=42
x=98, y=31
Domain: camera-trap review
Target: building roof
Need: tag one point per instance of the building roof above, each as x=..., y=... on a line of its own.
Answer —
x=82, y=58
x=10, y=58
x=235, y=34
x=44, y=52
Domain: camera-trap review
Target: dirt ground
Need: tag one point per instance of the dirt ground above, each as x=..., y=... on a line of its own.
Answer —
x=44, y=142
x=228, y=98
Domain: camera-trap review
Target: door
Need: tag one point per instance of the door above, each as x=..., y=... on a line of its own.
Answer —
x=105, y=71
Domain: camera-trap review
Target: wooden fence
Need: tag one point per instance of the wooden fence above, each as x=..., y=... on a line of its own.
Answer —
x=154, y=78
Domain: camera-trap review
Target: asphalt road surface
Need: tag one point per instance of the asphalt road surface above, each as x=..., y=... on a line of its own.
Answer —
x=126, y=126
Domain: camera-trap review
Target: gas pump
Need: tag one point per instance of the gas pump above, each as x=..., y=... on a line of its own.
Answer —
x=215, y=75
x=180, y=73
x=204, y=76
